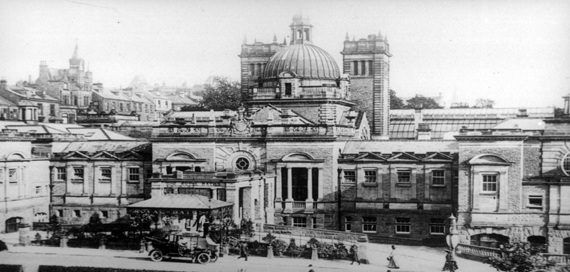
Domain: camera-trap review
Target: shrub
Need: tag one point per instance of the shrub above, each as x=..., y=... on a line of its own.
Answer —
x=11, y=268
x=293, y=250
x=279, y=247
x=340, y=251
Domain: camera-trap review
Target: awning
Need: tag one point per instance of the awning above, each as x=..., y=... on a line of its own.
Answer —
x=173, y=201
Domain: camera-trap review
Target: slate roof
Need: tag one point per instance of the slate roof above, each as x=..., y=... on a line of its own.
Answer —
x=197, y=202
x=97, y=146
x=95, y=134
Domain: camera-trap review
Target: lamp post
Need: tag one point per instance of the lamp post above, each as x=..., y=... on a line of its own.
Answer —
x=452, y=238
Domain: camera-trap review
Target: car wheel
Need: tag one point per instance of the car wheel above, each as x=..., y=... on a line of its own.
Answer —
x=156, y=256
x=203, y=258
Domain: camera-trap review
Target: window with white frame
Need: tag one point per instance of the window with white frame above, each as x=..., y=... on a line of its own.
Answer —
x=134, y=174
x=106, y=174
x=13, y=175
x=348, y=223
x=489, y=183
x=300, y=222
x=437, y=226
x=370, y=176
x=438, y=177
x=402, y=225
x=60, y=173
x=78, y=173
x=369, y=224
x=349, y=176
x=404, y=176
x=535, y=202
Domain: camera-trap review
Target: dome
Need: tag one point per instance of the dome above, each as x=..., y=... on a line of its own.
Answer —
x=305, y=60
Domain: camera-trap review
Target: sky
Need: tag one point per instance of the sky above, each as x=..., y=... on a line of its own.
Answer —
x=516, y=53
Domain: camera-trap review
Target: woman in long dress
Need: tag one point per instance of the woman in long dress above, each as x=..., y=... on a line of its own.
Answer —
x=392, y=263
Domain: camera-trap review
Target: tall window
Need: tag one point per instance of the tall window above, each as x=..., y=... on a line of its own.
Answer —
x=51, y=109
x=438, y=177
x=1, y=175
x=61, y=174
x=363, y=67
x=106, y=174
x=252, y=69
x=300, y=222
x=41, y=107
x=437, y=226
x=307, y=35
x=13, y=175
x=566, y=164
x=66, y=99
x=75, y=101
x=369, y=224
x=134, y=174
x=404, y=176
x=403, y=225
x=355, y=65
x=370, y=176
x=78, y=173
x=370, y=68
x=128, y=106
x=85, y=101
x=490, y=183
x=349, y=176
x=121, y=107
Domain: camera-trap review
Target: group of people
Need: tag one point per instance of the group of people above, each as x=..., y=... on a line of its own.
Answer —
x=450, y=263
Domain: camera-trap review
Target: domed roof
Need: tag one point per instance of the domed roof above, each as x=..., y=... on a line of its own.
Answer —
x=305, y=60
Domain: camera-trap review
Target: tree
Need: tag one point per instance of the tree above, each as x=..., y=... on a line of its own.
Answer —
x=484, y=103
x=95, y=224
x=422, y=102
x=54, y=226
x=558, y=112
x=223, y=94
x=395, y=101
x=520, y=257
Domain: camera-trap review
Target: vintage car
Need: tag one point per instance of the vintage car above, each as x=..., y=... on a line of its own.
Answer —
x=184, y=245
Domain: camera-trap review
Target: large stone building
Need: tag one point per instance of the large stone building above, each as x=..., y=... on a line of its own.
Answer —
x=72, y=87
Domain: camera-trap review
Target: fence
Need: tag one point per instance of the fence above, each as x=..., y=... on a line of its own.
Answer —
x=293, y=232
x=477, y=253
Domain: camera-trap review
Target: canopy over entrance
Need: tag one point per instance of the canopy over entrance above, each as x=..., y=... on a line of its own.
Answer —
x=182, y=202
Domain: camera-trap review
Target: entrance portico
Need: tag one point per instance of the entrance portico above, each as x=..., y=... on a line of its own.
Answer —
x=298, y=183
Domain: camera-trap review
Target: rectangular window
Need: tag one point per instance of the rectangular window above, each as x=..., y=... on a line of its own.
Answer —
x=370, y=176
x=438, y=177
x=1, y=175
x=437, y=226
x=349, y=176
x=348, y=223
x=61, y=174
x=38, y=190
x=134, y=174
x=535, y=202
x=300, y=222
x=370, y=67
x=59, y=213
x=288, y=89
x=78, y=173
x=106, y=174
x=402, y=225
x=13, y=175
x=105, y=214
x=77, y=213
x=41, y=108
x=314, y=220
x=489, y=183
x=404, y=176
x=51, y=109
x=369, y=224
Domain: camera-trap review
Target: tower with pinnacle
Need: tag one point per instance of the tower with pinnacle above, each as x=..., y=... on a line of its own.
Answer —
x=368, y=63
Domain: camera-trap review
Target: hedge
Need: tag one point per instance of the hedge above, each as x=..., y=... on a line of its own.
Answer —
x=11, y=268
x=57, y=268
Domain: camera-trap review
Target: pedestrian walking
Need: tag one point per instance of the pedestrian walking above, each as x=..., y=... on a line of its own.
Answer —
x=243, y=250
x=392, y=263
x=450, y=263
x=354, y=251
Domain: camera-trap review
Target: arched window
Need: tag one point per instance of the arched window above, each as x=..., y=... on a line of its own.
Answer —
x=299, y=34
x=307, y=34
x=566, y=165
x=489, y=240
x=242, y=163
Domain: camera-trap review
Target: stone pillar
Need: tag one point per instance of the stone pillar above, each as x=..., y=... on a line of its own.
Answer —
x=123, y=179
x=69, y=174
x=320, y=182
x=278, y=190
x=289, y=201
x=309, y=201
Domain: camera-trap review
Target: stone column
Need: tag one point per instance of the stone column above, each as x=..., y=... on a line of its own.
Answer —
x=123, y=180
x=69, y=174
x=278, y=185
x=309, y=201
x=320, y=183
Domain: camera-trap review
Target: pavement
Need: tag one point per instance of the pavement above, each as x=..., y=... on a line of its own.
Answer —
x=410, y=258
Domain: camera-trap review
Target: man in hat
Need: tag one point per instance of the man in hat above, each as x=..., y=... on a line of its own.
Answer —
x=243, y=250
x=354, y=252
